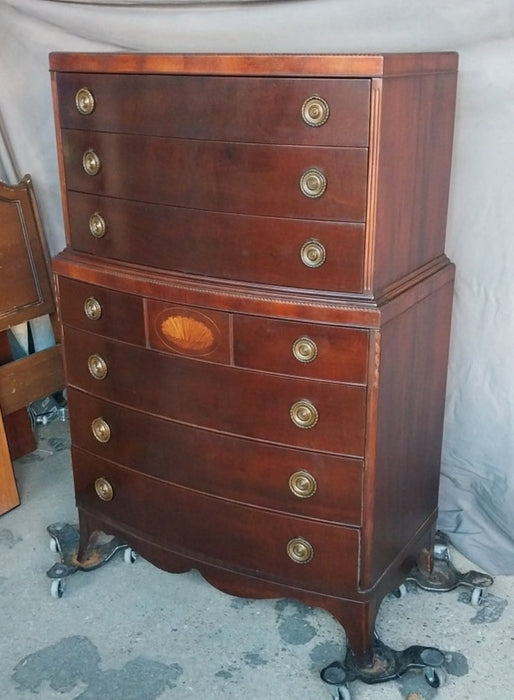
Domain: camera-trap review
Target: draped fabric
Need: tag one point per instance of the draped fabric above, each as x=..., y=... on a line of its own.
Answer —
x=477, y=487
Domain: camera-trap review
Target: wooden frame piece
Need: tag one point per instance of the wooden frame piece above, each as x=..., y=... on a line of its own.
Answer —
x=26, y=292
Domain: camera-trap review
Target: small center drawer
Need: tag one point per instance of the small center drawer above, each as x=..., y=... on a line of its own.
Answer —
x=310, y=554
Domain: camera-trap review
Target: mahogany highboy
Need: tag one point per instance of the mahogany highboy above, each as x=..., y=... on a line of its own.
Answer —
x=256, y=306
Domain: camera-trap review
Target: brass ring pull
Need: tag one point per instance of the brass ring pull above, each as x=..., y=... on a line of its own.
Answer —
x=92, y=309
x=97, y=366
x=84, y=101
x=305, y=349
x=303, y=484
x=313, y=183
x=304, y=414
x=103, y=489
x=315, y=111
x=300, y=550
x=313, y=253
x=91, y=162
x=97, y=225
x=101, y=430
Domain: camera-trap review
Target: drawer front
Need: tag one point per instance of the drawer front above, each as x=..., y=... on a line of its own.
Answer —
x=258, y=110
x=232, y=246
x=232, y=400
x=216, y=176
x=301, y=483
x=307, y=350
x=102, y=311
x=219, y=532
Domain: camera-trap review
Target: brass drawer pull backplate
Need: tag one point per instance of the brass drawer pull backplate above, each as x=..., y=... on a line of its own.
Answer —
x=97, y=366
x=97, y=225
x=315, y=111
x=304, y=414
x=103, y=489
x=302, y=484
x=300, y=550
x=101, y=430
x=84, y=101
x=305, y=349
x=91, y=162
x=92, y=309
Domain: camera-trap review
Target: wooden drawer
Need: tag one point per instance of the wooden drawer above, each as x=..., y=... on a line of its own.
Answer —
x=227, y=534
x=307, y=350
x=252, y=109
x=217, y=176
x=232, y=246
x=101, y=310
x=302, y=483
x=228, y=399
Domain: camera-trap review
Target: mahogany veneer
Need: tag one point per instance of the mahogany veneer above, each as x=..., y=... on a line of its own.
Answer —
x=256, y=307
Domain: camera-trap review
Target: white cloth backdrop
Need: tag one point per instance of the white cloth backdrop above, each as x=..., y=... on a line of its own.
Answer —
x=477, y=489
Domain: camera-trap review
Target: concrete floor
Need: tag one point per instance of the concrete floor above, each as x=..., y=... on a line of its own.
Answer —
x=133, y=632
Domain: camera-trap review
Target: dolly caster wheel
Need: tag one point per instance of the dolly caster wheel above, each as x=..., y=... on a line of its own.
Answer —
x=477, y=597
x=335, y=677
x=435, y=677
x=400, y=592
x=129, y=555
x=57, y=588
x=54, y=545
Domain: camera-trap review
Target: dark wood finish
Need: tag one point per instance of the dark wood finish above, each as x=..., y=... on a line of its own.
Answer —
x=252, y=110
x=25, y=293
x=121, y=315
x=242, y=470
x=25, y=286
x=218, y=397
x=223, y=245
x=247, y=539
x=267, y=344
x=205, y=220
x=214, y=175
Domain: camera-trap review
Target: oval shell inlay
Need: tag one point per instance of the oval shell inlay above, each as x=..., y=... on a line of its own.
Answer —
x=187, y=334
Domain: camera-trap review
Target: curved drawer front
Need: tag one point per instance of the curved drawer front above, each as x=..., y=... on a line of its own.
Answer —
x=312, y=414
x=212, y=175
x=101, y=310
x=312, y=555
x=301, y=349
x=232, y=246
x=219, y=108
x=302, y=483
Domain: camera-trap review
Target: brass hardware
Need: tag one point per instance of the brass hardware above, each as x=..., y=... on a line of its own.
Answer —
x=304, y=414
x=315, y=111
x=313, y=253
x=84, y=101
x=101, y=430
x=103, y=489
x=305, y=349
x=313, y=183
x=97, y=366
x=303, y=484
x=97, y=225
x=300, y=550
x=91, y=162
x=92, y=309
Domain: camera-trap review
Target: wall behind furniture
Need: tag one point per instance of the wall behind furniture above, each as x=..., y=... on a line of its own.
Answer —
x=477, y=489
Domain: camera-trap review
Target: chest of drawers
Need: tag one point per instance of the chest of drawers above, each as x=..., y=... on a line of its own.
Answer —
x=256, y=304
